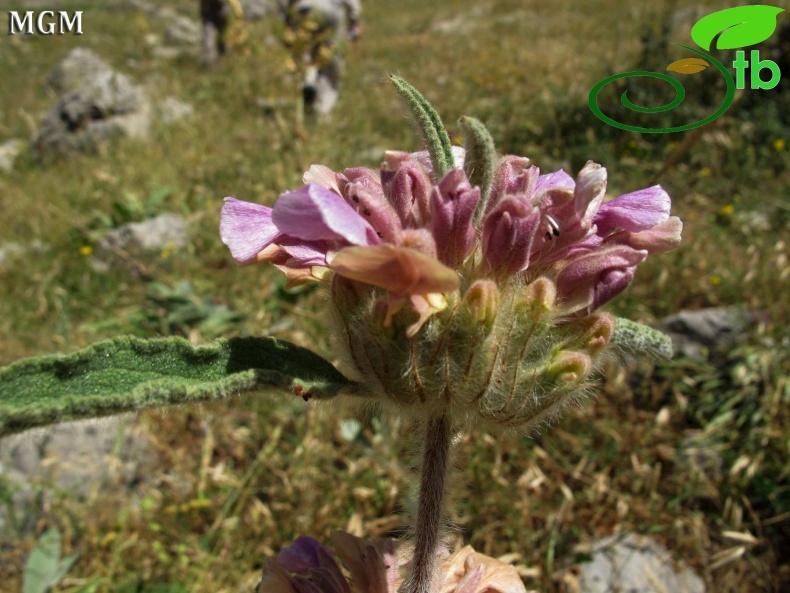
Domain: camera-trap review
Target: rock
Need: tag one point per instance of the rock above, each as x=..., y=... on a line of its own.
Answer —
x=182, y=31
x=154, y=234
x=9, y=151
x=632, y=564
x=696, y=334
x=95, y=103
x=154, y=10
x=11, y=250
x=78, y=457
x=257, y=9
x=172, y=110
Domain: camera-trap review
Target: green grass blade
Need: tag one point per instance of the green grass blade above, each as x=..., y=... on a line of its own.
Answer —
x=127, y=374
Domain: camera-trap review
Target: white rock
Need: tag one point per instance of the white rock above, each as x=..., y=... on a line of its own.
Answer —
x=9, y=151
x=635, y=564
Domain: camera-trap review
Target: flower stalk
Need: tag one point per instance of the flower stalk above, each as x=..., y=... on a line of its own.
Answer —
x=430, y=517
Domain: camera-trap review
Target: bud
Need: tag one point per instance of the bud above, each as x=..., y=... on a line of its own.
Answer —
x=568, y=369
x=508, y=232
x=482, y=298
x=374, y=208
x=594, y=278
x=453, y=204
x=513, y=176
x=540, y=295
x=597, y=332
x=408, y=188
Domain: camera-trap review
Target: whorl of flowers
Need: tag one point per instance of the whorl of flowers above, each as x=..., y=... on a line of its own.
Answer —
x=461, y=282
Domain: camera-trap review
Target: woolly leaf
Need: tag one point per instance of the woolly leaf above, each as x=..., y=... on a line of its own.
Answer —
x=480, y=159
x=127, y=374
x=430, y=125
x=640, y=341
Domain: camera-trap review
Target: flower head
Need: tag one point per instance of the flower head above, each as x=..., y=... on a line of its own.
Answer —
x=459, y=298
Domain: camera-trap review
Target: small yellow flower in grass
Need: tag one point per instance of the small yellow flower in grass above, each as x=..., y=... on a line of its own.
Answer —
x=779, y=144
x=168, y=250
x=714, y=280
x=705, y=172
x=86, y=250
x=727, y=210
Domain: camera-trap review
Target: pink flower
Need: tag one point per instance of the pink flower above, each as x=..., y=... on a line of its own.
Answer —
x=552, y=225
x=307, y=223
x=414, y=237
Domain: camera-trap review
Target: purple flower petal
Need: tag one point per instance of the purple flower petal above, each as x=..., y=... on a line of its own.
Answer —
x=453, y=204
x=246, y=229
x=314, y=213
x=591, y=279
x=370, y=202
x=300, y=556
x=556, y=180
x=636, y=211
x=305, y=253
x=513, y=176
x=368, y=178
x=408, y=188
x=508, y=233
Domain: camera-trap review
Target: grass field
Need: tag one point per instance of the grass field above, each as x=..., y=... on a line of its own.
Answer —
x=233, y=484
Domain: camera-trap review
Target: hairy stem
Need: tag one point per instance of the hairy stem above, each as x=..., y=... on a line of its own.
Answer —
x=430, y=511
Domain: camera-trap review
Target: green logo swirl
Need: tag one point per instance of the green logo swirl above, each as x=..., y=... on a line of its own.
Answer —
x=680, y=95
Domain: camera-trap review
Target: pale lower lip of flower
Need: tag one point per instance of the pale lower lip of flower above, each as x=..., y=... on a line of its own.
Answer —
x=399, y=270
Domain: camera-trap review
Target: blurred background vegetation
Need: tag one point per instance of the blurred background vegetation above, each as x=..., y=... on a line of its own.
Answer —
x=231, y=485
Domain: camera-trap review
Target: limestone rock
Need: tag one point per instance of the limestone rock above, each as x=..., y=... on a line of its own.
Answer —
x=182, y=31
x=95, y=103
x=172, y=110
x=155, y=234
x=78, y=457
x=695, y=334
x=9, y=151
x=256, y=9
x=634, y=564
